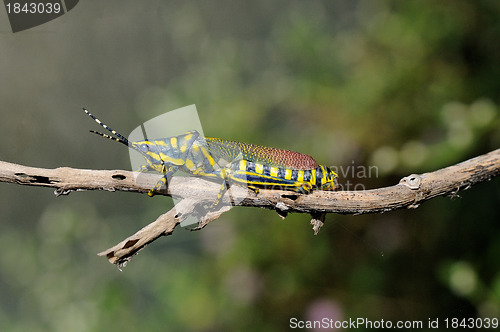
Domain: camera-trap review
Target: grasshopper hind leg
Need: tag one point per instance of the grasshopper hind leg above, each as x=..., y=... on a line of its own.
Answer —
x=222, y=191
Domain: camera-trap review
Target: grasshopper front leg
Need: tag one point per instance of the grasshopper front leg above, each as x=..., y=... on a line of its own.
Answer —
x=167, y=171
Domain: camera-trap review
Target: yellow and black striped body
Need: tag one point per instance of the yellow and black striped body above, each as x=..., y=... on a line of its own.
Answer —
x=232, y=162
x=256, y=175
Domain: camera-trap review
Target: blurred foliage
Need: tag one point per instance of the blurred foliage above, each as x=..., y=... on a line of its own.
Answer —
x=400, y=86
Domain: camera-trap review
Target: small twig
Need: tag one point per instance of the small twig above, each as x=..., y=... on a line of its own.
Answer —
x=197, y=192
x=317, y=221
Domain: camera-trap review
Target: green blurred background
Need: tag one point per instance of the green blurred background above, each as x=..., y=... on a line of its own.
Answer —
x=405, y=86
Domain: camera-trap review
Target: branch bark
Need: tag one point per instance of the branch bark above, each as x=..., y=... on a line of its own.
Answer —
x=195, y=193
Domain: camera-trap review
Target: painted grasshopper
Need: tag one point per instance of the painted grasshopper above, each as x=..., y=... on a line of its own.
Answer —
x=243, y=164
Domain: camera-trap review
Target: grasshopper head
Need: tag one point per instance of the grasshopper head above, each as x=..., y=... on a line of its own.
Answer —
x=151, y=153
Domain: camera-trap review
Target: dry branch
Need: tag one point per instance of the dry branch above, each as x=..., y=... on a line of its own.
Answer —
x=196, y=193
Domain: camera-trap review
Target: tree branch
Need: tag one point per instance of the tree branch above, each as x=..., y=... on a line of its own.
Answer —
x=195, y=193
